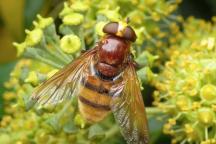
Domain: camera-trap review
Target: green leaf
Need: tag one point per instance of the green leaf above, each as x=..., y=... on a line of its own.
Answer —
x=146, y=59
x=5, y=70
x=70, y=128
x=96, y=132
x=32, y=7
x=54, y=123
x=156, y=130
x=145, y=74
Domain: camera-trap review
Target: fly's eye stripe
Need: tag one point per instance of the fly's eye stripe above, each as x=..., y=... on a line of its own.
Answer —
x=121, y=28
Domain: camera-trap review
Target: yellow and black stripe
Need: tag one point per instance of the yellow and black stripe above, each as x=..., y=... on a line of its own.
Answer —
x=94, y=98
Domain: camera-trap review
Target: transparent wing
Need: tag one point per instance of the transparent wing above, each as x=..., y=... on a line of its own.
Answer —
x=128, y=108
x=65, y=83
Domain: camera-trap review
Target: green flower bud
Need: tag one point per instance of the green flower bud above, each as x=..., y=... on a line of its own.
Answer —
x=191, y=86
x=29, y=124
x=5, y=138
x=66, y=10
x=7, y=96
x=20, y=48
x=183, y=103
x=140, y=35
x=42, y=137
x=208, y=92
x=99, y=28
x=136, y=17
x=70, y=43
x=206, y=116
x=155, y=16
x=79, y=121
x=79, y=6
x=208, y=43
x=42, y=22
x=33, y=37
x=112, y=15
x=73, y=19
x=32, y=78
x=190, y=131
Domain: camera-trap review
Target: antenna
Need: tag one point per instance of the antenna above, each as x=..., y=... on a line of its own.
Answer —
x=127, y=20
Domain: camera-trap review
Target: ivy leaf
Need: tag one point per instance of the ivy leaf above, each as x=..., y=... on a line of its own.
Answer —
x=156, y=133
x=32, y=7
x=70, y=128
x=54, y=123
x=4, y=72
x=96, y=132
x=146, y=59
x=145, y=74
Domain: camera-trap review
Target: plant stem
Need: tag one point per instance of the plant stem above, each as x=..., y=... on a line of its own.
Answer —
x=153, y=110
x=53, y=54
x=49, y=62
x=82, y=38
x=65, y=57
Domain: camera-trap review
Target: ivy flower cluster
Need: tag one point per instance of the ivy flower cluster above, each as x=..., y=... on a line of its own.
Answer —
x=186, y=87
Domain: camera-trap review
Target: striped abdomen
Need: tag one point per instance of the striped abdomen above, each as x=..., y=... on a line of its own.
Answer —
x=94, y=98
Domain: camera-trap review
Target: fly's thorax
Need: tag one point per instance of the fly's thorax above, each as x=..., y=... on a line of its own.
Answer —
x=112, y=55
x=113, y=50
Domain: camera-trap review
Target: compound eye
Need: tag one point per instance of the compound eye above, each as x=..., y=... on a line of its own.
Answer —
x=111, y=28
x=120, y=30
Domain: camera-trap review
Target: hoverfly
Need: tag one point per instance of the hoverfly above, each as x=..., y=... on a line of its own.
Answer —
x=104, y=79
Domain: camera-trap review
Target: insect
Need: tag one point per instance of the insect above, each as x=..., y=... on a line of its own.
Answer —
x=104, y=79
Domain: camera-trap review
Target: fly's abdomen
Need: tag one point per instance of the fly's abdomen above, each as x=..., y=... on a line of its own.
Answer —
x=94, y=99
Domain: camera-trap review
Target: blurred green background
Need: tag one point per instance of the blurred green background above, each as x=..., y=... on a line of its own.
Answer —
x=16, y=16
